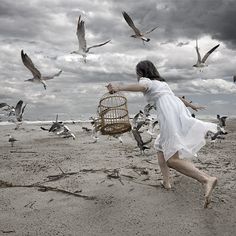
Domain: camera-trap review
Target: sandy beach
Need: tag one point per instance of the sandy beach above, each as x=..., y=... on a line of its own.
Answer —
x=55, y=186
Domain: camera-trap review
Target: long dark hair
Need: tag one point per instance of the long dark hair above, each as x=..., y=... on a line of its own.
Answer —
x=148, y=70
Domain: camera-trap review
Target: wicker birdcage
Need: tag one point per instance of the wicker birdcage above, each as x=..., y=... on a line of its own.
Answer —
x=113, y=113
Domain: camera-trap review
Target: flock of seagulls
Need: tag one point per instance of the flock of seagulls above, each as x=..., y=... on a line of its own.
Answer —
x=83, y=49
x=141, y=119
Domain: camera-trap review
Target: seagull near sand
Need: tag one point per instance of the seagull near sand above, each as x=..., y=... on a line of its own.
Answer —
x=37, y=77
x=140, y=143
x=138, y=33
x=16, y=111
x=12, y=140
x=201, y=61
x=19, y=111
x=222, y=121
x=83, y=49
x=6, y=107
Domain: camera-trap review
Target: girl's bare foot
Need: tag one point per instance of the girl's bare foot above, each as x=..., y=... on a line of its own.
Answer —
x=166, y=185
x=209, y=186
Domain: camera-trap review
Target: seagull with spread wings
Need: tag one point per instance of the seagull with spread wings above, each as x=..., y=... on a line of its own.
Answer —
x=83, y=49
x=37, y=77
x=138, y=33
x=201, y=61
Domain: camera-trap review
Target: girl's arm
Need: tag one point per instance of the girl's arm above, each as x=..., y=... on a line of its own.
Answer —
x=112, y=88
x=194, y=107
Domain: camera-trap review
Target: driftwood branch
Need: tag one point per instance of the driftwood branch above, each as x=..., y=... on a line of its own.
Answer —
x=43, y=188
x=66, y=174
x=15, y=151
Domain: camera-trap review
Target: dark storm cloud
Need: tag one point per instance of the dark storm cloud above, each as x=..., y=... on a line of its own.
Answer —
x=186, y=18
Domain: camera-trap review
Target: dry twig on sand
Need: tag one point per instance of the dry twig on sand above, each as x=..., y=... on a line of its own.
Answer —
x=43, y=188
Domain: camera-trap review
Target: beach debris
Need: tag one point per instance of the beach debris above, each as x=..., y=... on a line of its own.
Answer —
x=138, y=34
x=44, y=188
x=30, y=204
x=140, y=170
x=83, y=49
x=16, y=151
x=60, y=176
x=86, y=129
x=8, y=231
x=114, y=174
x=201, y=61
x=37, y=77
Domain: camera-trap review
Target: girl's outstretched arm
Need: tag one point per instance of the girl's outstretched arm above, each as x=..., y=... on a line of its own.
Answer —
x=194, y=107
x=112, y=88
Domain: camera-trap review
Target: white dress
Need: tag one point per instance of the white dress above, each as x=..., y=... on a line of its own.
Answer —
x=179, y=131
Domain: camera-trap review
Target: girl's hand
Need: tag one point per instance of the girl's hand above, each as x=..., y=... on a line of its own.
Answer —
x=197, y=107
x=112, y=88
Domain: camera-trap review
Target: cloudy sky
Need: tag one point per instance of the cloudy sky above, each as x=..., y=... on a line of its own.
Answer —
x=46, y=31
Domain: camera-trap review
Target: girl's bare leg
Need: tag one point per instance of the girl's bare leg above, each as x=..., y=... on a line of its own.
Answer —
x=164, y=170
x=187, y=168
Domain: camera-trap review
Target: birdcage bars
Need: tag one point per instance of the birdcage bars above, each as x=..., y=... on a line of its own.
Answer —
x=114, y=114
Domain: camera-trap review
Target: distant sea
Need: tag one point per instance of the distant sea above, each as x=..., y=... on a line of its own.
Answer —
x=45, y=122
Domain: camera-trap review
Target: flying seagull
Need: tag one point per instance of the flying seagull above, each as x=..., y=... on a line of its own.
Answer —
x=201, y=61
x=83, y=49
x=138, y=33
x=37, y=77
